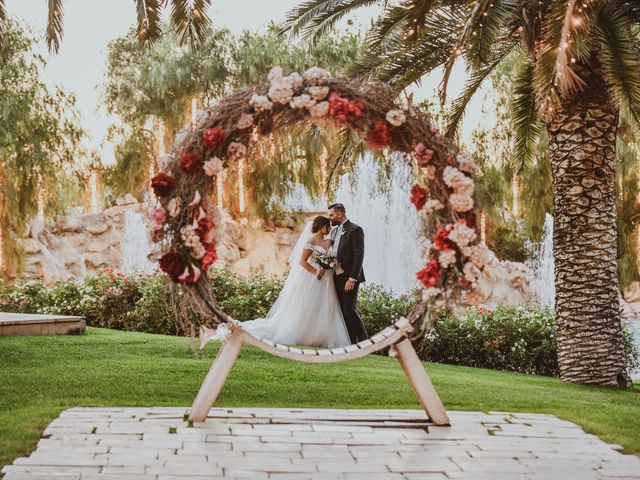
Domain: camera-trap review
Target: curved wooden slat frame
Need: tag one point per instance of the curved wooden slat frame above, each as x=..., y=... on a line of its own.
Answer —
x=397, y=341
x=317, y=358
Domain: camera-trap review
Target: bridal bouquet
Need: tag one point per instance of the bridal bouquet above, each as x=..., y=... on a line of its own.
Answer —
x=327, y=260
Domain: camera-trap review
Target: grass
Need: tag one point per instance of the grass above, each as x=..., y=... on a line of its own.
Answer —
x=41, y=376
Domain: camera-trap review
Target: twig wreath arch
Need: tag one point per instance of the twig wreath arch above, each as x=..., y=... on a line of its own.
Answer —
x=187, y=223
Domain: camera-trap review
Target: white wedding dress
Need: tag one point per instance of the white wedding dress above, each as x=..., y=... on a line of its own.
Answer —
x=307, y=312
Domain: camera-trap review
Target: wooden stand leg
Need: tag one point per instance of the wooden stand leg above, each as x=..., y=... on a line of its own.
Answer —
x=216, y=377
x=419, y=380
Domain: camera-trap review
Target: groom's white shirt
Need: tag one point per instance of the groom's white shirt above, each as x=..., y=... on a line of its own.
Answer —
x=336, y=244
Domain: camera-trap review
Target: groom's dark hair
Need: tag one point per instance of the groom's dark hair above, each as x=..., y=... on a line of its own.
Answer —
x=338, y=207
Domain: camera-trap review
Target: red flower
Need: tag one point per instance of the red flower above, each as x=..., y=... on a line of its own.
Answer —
x=204, y=226
x=441, y=240
x=494, y=342
x=344, y=109
x=172, y=264
x=190, y=162
x=213, y=138
x=380, y=136
x=430, y=275
x=162, y=184
x=210, y=257
x=418, y=196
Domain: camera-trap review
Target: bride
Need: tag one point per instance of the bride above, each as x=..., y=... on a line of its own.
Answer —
x=307, y=312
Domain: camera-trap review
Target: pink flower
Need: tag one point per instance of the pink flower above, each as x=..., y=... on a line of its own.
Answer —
x=157, y=214
x=422, y=154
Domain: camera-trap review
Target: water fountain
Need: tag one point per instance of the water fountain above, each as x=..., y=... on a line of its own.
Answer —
x=135, y=246
x=542, y=264
x=389, y=220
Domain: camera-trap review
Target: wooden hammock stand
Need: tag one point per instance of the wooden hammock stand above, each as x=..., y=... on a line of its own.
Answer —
x=394, y=336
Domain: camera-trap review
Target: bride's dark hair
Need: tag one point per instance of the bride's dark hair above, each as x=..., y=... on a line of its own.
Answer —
x=319, y=223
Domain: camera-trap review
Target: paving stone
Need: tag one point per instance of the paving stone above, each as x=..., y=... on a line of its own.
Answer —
x=262, y=443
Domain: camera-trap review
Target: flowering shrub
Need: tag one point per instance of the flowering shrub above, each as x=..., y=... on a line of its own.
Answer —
x=519, y=339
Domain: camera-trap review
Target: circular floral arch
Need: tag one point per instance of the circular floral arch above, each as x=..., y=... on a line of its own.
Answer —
x=188, y=225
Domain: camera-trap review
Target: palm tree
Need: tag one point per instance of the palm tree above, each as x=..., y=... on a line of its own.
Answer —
x=187, y=17
x=580, y=69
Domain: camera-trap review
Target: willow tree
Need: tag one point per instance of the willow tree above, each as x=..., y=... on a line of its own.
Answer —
x=159, y=83
x=39, y=137
x=581, y=66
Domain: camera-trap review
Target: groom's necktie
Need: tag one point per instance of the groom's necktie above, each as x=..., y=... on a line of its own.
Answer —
x=336, y=240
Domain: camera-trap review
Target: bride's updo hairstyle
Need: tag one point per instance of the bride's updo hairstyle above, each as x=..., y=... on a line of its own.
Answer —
x=319, y=223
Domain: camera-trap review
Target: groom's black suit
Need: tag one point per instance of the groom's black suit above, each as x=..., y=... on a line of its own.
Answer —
x=350, y=254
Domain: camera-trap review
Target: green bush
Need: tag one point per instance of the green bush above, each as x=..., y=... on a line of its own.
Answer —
x=519, y=339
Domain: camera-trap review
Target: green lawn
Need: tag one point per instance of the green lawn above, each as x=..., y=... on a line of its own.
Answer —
x=40, y=376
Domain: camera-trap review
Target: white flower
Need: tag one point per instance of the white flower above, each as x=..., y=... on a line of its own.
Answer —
x=196, y=199
x=319, y=109
x=245, y=121
x=260, y=103
x=318, y=93
x=317, y=76
x=281, y=91
x=396, y=117
x=213, y=166
x=173, y=207
x=460, y=202
x=430, y=292
x=296, y=81
x=431, y=205
x=236, y=150
x=447, y=258
x=192, y=241
x=466, y=163
x=462, y=235
x=165, y=162
x=275, y=73
x=471, y=273
x=302, y=101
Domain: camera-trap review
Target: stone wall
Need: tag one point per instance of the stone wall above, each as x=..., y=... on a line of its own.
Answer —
x=75, y=245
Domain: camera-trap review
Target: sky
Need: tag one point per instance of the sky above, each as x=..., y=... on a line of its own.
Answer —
x=89, y=25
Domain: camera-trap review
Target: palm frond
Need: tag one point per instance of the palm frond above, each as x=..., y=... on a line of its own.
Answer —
x=190, y=20
x=527, y=123
x=416, y=12
x=619, y=57
x=477, y=38
x=313, y=18
x=478, y=75
x=149, y=27
x=400, y=64
x=54, y=25
x=566, y=37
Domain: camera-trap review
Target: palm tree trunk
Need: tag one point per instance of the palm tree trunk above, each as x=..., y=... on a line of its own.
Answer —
x=582, y=142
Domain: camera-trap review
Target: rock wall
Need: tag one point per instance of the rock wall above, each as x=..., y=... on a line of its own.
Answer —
x=75, y=245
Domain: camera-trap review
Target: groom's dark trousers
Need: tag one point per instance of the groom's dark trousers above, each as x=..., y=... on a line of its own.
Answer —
x=349, y=302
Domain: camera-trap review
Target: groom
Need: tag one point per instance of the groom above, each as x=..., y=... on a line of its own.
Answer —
x=348, y=244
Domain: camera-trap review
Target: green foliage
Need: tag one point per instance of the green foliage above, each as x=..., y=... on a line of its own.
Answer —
x=521, y=339
x=379, y=307
x=151, y=85
x=628, y=209
x=516, y=339
x=39, y=141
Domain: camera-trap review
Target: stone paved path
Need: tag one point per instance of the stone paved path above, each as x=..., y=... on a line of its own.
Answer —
x=300, y=444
